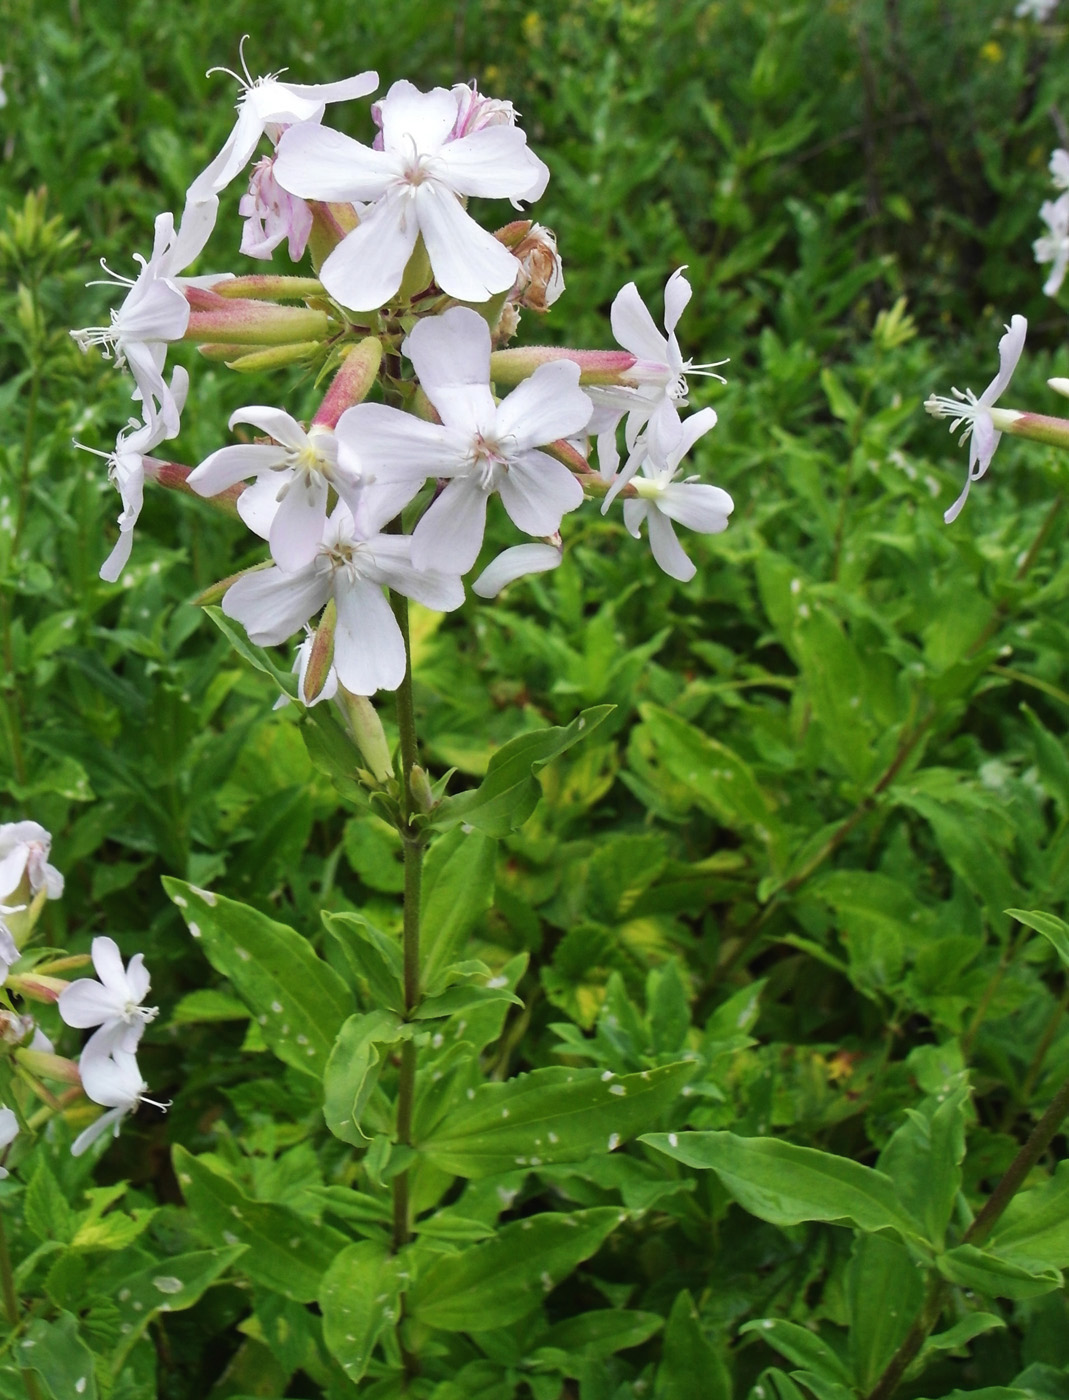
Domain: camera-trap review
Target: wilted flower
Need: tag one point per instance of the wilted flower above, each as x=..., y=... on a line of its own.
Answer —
x=541, y=277
x=415, y=184
x=975, y=412
x=24, y=851
x=113, y=1004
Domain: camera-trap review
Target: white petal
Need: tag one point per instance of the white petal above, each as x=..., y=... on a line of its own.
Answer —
x=119, y=557
x=113, y=1081
x=676, y=296
x=258, y=503
x=635, y=512
x=404, y=445
x=275, y=422
x=452, y=352
x=516, y=563
x=633, y=326
x=9, y=1126
x=667, y=550
x=468, y=263
x=108, y=964
x=494, y=163
x=318, y=163
x=271, y=605
x=297, y=529
x=96, y=1129
x=393, y=556
x=450, y=533
x=411, y=118
x=86, y=1003
x=228, y=465
x=1009, y=352
x=536, y=491
x=369, y=652
x=547, y=406
x=365, y=270
x=344, y=90
x=137, y=978
x=697, y=505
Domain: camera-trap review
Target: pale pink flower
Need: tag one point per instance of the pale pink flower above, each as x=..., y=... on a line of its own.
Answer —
x=271, y=214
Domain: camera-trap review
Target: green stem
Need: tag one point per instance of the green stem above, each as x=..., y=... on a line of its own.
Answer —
x=11, y=1308
x=1039, y=1140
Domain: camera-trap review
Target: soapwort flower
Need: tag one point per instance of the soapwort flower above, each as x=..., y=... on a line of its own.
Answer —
x=661, y=499
x=266, y=105
x=9, y=1130
x=155, y=311
x=352, y=565
x=112, y=1004
x=113, y=1081
x=1053, y=247
x=126, y=470
x=296, y=474
x=271, y=215
x=480, y=447
x=975, y=413
x=657, y=382
x=415, y=185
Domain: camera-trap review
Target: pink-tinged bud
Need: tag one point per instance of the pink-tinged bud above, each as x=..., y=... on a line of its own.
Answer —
x=572, y=458
x=541, y=277
x=278, y=357
x=264, y=287
x=174, y=476
x=247, y=322
x=320, y=656
x=272, y=214
x=512, y=235
x=36, y=986
x=69, y=964
x=353, y=381
x=597, y=366
x=43, y=1065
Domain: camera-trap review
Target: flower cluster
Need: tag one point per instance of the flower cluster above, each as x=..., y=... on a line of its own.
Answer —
x=412, y=294
x=107, y=1070
x=1053, y=246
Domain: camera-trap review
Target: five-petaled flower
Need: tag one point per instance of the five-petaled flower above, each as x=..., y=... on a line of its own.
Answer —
x=975, y=412
x=113, y=1004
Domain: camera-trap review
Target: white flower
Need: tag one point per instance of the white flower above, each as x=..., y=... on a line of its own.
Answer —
x=660, y=499
x=155, y=312
x=299, y=473
x=353, y=567
x=266, y=105
x=480, y=446
x=115, y=1082
x=659, y=374
x=271, y=215
x=1039, y=10
x=9, y=949
x=975, y=412
x=515, y=563
x=1054, y=247
x=9, y=1131
x=126, y=470
x=113, y=1004
x=415, y=184
x=3, y=103
x=1059, y=169
x=24, y=851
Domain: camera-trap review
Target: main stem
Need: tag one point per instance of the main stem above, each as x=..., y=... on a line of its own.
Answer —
x=11, y=1309
x=412, y=843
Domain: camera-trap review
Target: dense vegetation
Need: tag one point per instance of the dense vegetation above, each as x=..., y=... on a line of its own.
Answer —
x=784, y=860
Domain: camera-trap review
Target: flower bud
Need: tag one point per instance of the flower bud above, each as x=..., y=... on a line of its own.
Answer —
x=316, y=670
x=596, y=366
x=367, y=733
x=353, y=381
x=243, y=321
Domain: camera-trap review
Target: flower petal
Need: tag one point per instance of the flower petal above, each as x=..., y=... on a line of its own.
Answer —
x=411, y=118
x=676, y=296
x=667, y=550
x=696, y=505
x=365, y=270
x=369, y=651
x=516, y=563
x=451, y=531
x=494, y=163
x=1009, y=352
x=633, y=326
x=297, y=529
x=228, y=465
x=547, y=406
x=271, y=605
x=536, y=491
x=468, y=263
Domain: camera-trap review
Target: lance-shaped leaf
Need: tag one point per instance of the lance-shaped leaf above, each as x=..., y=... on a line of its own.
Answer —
x=287, y=1253
x=298, y=1000
x=359, y=1299
x=786, y=1185
x=508, y=794
x=993, y=1277
x=493, y=1284
x=550, y=1115
x=353, y=1071
x=1053, y=929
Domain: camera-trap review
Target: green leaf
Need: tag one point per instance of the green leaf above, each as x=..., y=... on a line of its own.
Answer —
x=208, y=1004
x=509, y=793
x=374, y=959
x=549, y=1115
x=984, y=1273
x=457, y=890
x=493, y=1284
x=690, y=1367
x=359, y=1299
x=299, y=1001
x=59, y=1356
x=287, y=1252
x=787, y=1185
x=353, y=1071
x=47, y=1213
x=1055, y=930
x=963, y=1332
x=254, y=655
x=885, y=1291
x=171, y=1285
x=595, y=1335
x=923, y=1157
x=1034, y=1230
x=801, y=1346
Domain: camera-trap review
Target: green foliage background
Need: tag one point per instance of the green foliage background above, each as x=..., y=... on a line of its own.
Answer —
x=836, y=757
